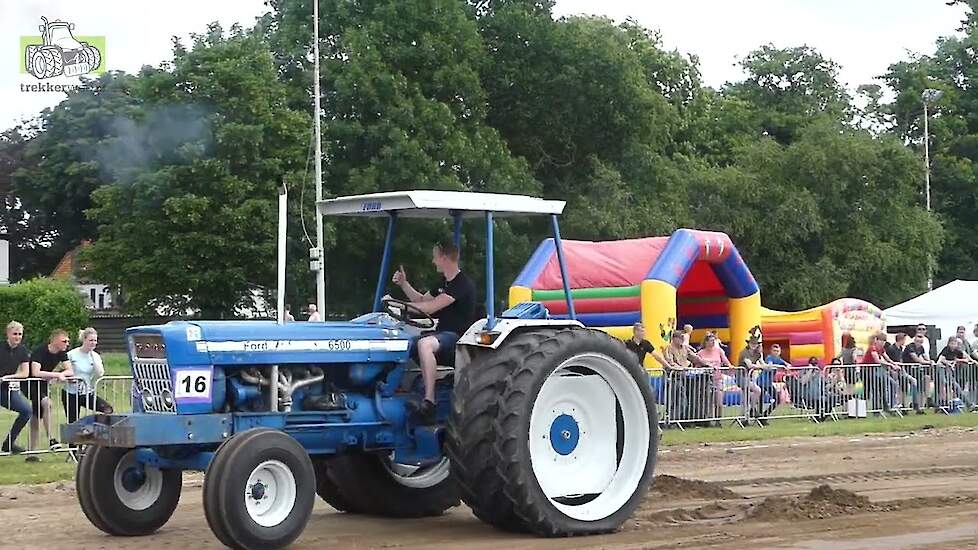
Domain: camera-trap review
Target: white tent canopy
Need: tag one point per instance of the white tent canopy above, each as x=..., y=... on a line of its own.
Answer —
x=946, y=307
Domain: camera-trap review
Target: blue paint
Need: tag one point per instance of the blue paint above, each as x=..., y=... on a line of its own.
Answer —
x=490, y=277
x=563, y=267
x=676, y=259
x=735, y=277
x=535, y=265
x=526, y=310
x=564, y=434
x=385, y=261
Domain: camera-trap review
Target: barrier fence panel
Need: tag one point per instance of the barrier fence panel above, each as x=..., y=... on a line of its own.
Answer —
x=794, y=392
x=34, y=409
x=701, y=396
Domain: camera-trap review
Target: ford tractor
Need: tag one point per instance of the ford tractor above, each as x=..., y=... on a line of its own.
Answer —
x=60, y=53
x=542, y=426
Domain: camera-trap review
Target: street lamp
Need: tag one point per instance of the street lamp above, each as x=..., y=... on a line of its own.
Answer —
x=929, y=95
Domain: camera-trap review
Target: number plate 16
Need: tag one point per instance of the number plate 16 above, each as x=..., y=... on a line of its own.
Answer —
x=193, y=385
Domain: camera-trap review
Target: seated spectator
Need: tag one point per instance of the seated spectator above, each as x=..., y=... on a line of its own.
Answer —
x=877, y=365
x=87, y=368
x=14, y=364
x=48, y=362
x=641, y=347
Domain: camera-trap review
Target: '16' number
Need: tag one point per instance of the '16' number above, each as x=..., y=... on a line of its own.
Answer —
x=199, y=384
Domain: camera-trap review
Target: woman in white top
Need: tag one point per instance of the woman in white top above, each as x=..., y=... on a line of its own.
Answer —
x=87, y=368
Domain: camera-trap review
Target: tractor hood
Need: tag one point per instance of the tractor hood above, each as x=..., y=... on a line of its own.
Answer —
x=369, y=339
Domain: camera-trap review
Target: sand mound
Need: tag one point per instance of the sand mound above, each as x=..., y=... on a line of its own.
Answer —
x=822, y=502
x=679, y=488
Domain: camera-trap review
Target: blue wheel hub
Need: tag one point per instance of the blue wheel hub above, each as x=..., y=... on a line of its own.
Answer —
x=133, y=479
x=564, y=434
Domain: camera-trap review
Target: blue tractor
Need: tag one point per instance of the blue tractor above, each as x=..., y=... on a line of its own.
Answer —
x=543, y=426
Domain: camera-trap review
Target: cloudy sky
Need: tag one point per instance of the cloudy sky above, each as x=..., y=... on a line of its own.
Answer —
x=864, y=36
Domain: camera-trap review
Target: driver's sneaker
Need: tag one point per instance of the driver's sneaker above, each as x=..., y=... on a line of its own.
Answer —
x=423, y=412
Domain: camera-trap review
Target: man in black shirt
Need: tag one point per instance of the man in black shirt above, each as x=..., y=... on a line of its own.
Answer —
x=48, y=362
x=452, y=302
x=641, y=347
x=917, y=365
x=14, y=361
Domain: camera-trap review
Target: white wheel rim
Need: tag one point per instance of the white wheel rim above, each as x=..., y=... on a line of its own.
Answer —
x=137, y=486
x=270, y=493
x=418, y=477
x=574, y=432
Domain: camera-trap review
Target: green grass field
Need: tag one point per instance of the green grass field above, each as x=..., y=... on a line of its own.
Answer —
x=54, y=467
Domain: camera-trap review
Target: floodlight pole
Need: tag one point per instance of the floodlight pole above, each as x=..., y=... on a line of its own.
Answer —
x=321, y=272
x=927, y=96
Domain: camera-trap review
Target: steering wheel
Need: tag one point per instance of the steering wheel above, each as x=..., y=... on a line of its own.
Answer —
x=408, y=313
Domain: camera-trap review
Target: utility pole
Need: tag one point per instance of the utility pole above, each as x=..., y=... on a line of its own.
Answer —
x=927, y=96
x=316, y=256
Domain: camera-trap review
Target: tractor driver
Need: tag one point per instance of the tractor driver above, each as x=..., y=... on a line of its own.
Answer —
x=452, y=302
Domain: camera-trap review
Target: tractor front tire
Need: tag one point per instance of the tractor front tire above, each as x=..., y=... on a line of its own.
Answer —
x=368, y=484
x=575, y=441
x=261, y=490
x=122, y=497
x=92, y=55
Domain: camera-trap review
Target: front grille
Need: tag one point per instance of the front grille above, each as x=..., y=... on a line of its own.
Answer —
x=152, y=385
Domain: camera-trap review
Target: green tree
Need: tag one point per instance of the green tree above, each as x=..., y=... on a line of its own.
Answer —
x=188, y=221
x=403, y=108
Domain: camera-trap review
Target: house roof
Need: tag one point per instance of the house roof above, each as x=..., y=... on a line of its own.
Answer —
x=70, y=268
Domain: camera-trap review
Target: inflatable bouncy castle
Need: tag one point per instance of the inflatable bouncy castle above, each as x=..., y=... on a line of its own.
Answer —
x=691, y=277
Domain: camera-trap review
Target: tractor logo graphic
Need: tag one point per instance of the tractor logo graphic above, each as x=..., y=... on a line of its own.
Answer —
x=60, y=53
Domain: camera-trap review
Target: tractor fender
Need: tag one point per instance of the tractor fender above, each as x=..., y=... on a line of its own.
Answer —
x=469, y=347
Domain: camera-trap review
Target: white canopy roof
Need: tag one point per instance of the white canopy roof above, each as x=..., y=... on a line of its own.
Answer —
x=946, y=307
x=437, y=204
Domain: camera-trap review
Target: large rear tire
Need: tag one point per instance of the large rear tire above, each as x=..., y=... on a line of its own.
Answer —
x=124, y=498
x=470, y=435
x=371, y=484
x=328, y=490
x=263, y=487
x=575, y=445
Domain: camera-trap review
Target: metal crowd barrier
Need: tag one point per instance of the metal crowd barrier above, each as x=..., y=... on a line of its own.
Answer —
x=37, y=408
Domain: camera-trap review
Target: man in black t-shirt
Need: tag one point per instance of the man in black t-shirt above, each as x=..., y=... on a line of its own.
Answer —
x=452, y=302
x=917, y=365
x=641, y=347
x=48, y=362
x=14, y=361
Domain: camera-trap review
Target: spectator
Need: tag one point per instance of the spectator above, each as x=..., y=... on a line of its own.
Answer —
x=288, y=317
x=974, y=343
x=837, y=378
x=314, y=314
x=966, y=373
x=765, y=380
x=87, y=368
x=14, y=364
x=922, y=330
x=750, y=360
x=918, y=367
x=678, y=361
x=638, y=345
x=906, y=383
x=687, y=334
x=48, y=362
x=948, y=359
x=714, y=358
x=881, y=384
x=816, y=389
x=848, y=348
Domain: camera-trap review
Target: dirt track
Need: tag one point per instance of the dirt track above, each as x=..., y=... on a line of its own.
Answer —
x=894, y=491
